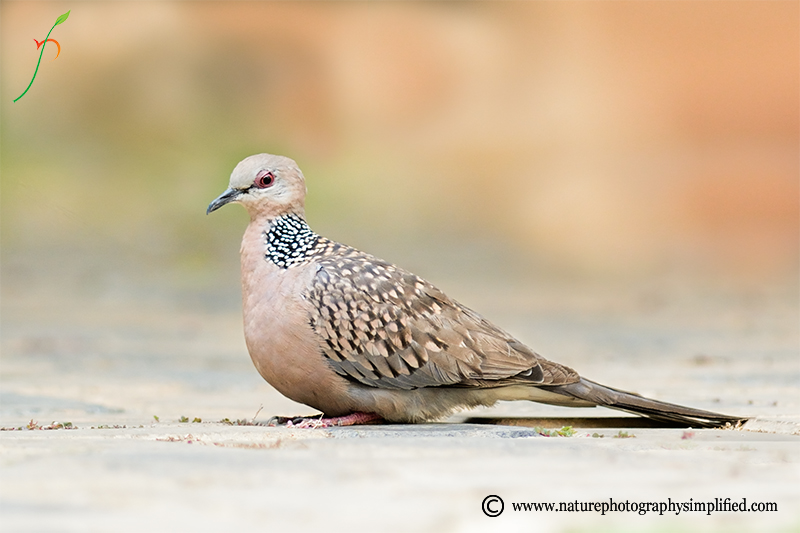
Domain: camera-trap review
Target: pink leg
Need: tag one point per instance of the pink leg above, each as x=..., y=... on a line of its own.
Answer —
x=349, y=420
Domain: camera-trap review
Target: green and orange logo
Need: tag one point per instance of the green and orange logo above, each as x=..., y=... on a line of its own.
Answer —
x=42, y=44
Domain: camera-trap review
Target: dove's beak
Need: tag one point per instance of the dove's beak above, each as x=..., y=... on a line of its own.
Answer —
x=227, y=197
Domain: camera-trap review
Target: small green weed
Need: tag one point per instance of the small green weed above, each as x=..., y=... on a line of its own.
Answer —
x=566, y=431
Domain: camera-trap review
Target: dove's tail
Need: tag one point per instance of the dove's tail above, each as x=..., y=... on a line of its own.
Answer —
x=633, y=403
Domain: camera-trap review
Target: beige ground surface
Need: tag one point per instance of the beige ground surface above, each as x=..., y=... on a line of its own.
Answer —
x=116, y=358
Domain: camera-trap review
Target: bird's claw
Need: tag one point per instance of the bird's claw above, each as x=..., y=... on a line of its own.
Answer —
x=302, y=422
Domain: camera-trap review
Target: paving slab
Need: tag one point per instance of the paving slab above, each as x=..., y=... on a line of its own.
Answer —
x=430, y=477
x=122, y=375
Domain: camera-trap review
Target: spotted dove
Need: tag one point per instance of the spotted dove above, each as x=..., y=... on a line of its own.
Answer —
x=362, y=340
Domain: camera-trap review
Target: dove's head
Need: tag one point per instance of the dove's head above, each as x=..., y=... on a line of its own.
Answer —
x=267, y=185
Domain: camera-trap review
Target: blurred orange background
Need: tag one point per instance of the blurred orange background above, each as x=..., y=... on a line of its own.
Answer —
x=594, y=139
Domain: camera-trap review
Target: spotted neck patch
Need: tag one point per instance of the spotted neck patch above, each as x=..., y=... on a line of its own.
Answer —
x=289, y=241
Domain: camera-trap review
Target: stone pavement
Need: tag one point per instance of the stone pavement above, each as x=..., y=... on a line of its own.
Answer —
x=102, y=361
x=433, y=477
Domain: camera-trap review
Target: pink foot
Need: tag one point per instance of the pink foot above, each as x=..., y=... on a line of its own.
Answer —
x=349, y=420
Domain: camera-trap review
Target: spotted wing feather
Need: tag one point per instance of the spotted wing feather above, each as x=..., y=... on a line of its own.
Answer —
x=385, y=327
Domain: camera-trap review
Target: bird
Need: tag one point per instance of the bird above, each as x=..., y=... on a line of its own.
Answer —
x=364, y=341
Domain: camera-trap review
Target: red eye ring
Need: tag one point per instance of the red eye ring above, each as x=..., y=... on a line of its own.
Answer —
x=264, y=179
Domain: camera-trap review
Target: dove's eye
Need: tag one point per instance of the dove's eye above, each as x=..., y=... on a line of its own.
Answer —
x=264, y=179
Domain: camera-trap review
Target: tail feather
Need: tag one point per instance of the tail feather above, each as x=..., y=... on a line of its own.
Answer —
x=633, y=403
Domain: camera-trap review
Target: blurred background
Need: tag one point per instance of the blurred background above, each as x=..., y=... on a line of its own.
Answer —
x=487, y=146
x=596, y=138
